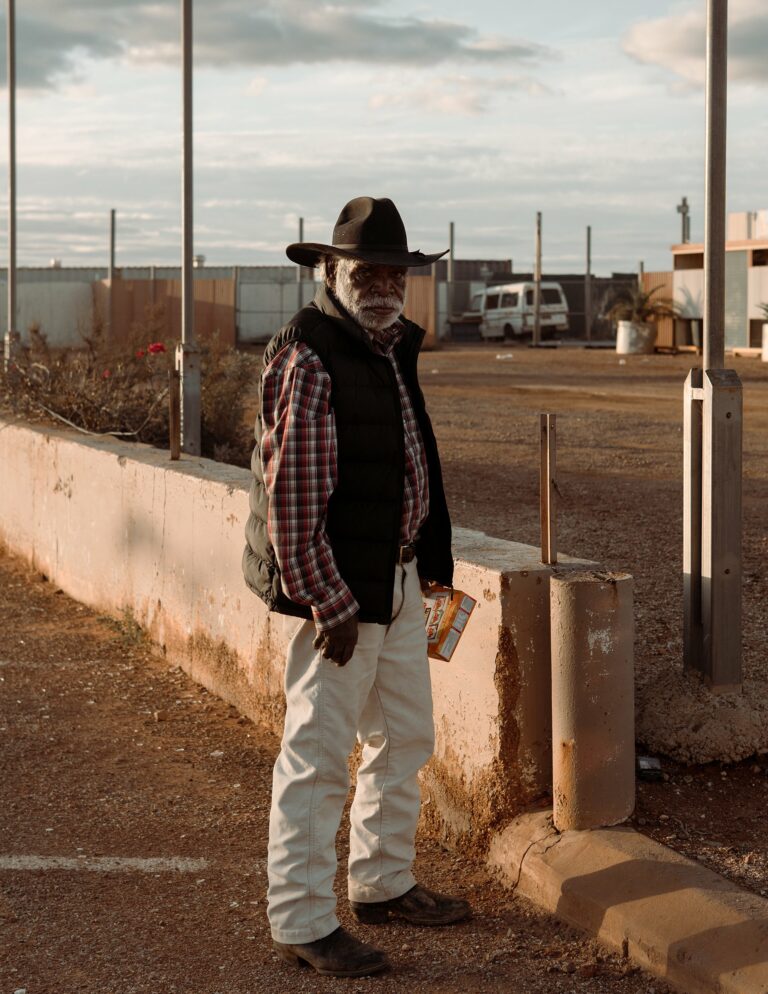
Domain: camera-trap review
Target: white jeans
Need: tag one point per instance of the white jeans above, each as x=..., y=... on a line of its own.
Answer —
x=383, y=697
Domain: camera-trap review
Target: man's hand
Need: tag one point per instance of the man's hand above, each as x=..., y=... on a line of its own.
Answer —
x=338, y=643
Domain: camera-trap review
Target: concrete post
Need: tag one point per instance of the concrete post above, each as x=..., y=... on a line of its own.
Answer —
x=593, y=720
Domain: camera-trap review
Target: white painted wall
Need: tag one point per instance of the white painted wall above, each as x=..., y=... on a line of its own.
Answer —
x=757, y=291
x=688, y=287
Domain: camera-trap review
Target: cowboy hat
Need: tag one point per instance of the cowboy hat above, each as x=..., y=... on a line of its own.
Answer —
x=367, y=229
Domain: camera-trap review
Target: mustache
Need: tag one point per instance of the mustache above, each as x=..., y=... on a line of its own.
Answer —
x=392, y=301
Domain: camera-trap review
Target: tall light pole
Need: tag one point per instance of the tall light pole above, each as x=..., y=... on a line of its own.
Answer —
x=588, y=287
x=537, y=284
x=713, y=425
x=12, y=339
x=187, y=352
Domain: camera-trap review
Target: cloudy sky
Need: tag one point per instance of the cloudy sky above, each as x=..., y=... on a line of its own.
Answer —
x=479, y=113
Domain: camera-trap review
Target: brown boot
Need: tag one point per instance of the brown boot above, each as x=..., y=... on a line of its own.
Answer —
x=418, y=906
x=336, y=955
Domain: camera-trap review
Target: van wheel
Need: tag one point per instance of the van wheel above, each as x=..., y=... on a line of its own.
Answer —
x=509, y=332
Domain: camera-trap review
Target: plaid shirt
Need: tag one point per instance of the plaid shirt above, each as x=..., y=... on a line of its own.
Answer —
x=299, y=456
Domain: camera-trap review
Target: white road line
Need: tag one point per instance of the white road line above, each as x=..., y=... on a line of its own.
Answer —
x=105, y=864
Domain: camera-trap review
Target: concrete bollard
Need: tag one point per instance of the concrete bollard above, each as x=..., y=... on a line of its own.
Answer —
x=593, y=719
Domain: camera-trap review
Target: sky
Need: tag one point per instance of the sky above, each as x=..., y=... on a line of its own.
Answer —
x=480, y=114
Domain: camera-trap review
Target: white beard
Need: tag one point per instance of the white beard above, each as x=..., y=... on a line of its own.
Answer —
x=358, y=307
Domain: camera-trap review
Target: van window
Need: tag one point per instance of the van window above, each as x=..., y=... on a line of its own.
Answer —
x=509, y=299
x=477, y=302
x=492, y=302
x=549, y=295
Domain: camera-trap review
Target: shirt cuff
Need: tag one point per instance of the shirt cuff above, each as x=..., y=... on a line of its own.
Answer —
x=339, y=608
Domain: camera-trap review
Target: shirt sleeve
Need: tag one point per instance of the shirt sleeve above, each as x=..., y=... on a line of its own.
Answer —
x=299, y=459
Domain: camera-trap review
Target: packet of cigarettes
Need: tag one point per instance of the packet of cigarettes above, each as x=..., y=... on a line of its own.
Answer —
x=446, y=613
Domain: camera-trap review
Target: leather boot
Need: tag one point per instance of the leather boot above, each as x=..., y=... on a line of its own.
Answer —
x=336, y=955
x=418, y=906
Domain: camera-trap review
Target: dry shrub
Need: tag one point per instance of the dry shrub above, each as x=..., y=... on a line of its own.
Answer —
x=121, y=388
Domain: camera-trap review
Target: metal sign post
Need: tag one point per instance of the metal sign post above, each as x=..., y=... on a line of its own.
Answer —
x=713, y=426
x=187, y=352
x=12, y=340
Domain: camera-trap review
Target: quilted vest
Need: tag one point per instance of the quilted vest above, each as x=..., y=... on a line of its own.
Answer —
x=365, y=509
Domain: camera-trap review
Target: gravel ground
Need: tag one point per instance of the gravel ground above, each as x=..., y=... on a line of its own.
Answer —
x=620, y=479
x=105, y=752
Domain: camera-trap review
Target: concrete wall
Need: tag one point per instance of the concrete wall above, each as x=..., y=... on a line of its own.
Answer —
x=121, y=528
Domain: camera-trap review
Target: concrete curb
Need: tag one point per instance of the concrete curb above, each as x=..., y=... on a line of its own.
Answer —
x=669, y=914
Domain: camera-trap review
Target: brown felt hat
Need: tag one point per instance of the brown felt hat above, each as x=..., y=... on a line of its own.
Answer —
x=367, y=229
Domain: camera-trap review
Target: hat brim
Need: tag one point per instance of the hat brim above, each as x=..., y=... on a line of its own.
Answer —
x=310, y=254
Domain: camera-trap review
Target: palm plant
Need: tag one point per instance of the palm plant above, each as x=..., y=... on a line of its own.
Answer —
x=764, y=309
x=635, y=304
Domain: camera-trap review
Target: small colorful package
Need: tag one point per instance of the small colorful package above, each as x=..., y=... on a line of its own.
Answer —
x=446, y=613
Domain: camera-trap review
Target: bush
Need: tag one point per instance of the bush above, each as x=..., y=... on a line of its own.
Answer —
x=122, y=390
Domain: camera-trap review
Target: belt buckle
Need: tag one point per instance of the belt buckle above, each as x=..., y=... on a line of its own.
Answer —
x=406, y=554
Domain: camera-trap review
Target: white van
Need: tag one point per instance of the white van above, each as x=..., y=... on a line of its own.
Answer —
x=507, y=311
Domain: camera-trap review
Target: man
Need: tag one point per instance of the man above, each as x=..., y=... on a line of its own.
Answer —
x=347, y=514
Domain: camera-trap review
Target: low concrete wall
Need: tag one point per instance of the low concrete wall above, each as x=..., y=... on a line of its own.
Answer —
x=121, y=528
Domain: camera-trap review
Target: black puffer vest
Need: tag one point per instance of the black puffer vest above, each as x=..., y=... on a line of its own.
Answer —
x=364, y=512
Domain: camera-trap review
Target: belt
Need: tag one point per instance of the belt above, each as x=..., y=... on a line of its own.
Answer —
x=406, y=554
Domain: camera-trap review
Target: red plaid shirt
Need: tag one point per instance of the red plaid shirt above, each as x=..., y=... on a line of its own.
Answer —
x=299, y=456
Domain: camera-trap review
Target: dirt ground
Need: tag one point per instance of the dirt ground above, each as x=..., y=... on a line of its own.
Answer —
x=105, y=753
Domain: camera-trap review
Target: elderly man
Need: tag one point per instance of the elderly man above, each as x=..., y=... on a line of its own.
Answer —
x=348, y=517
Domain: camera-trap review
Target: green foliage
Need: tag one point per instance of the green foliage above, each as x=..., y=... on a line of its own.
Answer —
x=764, y=309
x=637, y=305
x=121, y=388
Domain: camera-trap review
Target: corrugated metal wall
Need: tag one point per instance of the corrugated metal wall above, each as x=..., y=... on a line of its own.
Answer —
x=662, y=282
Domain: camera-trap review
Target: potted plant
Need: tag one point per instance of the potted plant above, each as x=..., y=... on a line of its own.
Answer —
x=636, y=312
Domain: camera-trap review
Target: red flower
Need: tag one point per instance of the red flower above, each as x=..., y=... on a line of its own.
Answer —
x=106, y=374
x=140, y=353
x=156, y=347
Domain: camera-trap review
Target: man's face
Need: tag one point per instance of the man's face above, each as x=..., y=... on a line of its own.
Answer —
x=373, y=295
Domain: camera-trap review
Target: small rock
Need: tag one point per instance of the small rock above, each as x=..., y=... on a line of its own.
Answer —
x=405, y=947
x=217, y=753
x=663, y=817
x=588, y=970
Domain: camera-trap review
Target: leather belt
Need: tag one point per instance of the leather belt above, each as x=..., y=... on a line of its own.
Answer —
x=406, y=554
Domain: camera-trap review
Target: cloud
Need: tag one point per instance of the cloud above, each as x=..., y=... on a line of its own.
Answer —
x=52, y=38
x=678, y=43
x=453, y=94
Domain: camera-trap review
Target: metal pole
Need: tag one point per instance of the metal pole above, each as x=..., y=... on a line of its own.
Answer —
x=187, y=353
x=12, y=339
x=547, y=488
x=714, y=191
x=713, y=533
x=588, y=287
x=640, y=274
x=111, y=270
x=537, y=285
x=450, y=273
x=300, y=293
